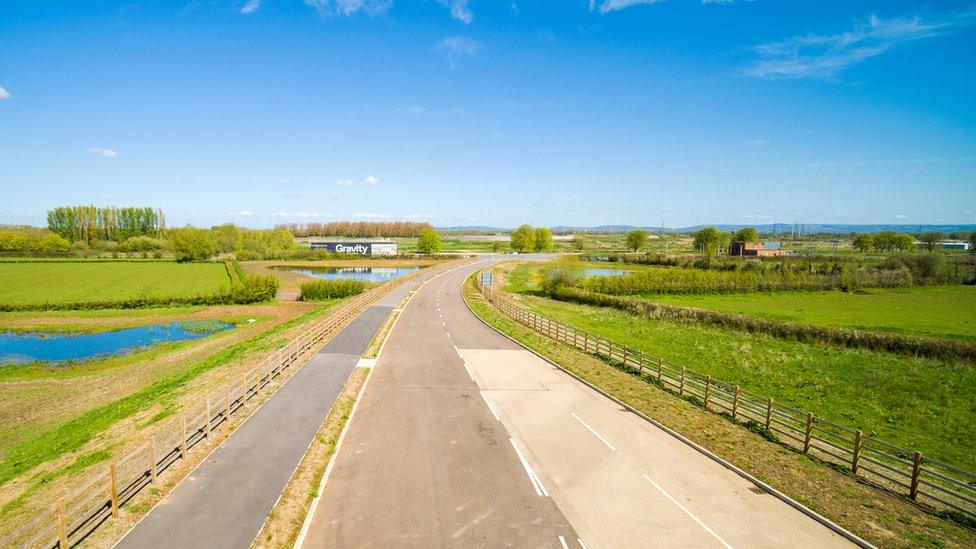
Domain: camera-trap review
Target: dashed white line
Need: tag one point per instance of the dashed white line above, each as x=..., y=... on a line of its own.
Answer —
x=596, y=434
x=540, y=490
x=562, y=541
x=687, y=512
x=449, y=334
x=490, y=408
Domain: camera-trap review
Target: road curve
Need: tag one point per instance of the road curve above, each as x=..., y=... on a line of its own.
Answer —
x=463, y=438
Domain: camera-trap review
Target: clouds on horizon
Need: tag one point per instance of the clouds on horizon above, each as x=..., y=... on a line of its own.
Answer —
x=368, y=180
x=824, y=56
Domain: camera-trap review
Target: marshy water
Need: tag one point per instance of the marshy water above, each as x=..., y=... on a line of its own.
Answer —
x=366, y=274
x=20, y=348
x=606, y=272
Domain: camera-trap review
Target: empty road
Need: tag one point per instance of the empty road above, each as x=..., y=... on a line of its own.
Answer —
x=465, y=439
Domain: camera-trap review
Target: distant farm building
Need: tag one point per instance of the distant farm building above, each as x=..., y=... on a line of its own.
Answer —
x=357, y=248
x=955, y=245
x=755, y=249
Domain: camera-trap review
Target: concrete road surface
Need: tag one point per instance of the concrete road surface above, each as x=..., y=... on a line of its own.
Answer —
x=225, y=500
x=465, y=439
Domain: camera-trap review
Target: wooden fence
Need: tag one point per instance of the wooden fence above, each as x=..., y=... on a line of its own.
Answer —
x=100, y=497
x=900, y=470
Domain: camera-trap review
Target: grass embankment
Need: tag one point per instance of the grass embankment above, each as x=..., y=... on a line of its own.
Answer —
x=880, y=518
x=934, y=311
x=70, y=282
x=285, y=520
x=155, y=399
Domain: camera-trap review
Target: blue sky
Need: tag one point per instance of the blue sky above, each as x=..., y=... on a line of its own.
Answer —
x=492, y=113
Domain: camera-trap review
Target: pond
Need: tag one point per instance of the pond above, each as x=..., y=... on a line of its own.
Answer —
x=366, y=274
x=606, y=272
x=20, y=348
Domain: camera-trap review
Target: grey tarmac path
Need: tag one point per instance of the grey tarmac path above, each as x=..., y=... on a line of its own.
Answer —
x=225, y=500
x=425, y=462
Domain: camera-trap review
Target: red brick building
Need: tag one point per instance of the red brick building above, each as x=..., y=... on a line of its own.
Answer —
x=753, y=249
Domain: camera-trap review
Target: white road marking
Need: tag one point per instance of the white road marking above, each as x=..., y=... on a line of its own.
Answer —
x=596, y=434
x=580, y=541
x=540, y=490
x=449, y=335
x=687, y=512
x=468, y=371
x=562, y=541
x=490, y=409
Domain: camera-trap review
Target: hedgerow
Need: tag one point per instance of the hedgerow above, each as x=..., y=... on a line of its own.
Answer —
x=318, y=290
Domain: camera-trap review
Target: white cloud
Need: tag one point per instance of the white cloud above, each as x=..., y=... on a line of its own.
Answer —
x=244, y=213
x=280, y=214
x=4, y=94
x=421, y=216
x=459, y=10
x=282, y=181
x=103, y=152
x=515, y=8
x=454, y=47
x=304, y=214
x=350, y=7
x=614, y=5
x=368, y=180
x=251, y=6
x=825, y=56
x=370, y=215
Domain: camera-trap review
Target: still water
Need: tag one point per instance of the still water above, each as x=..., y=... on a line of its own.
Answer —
x=606, y=272
x=19, y=348
x=366, y=274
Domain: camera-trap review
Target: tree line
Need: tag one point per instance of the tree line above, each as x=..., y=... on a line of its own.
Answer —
x=531, y=239
x=356, y=229
x=92, y=223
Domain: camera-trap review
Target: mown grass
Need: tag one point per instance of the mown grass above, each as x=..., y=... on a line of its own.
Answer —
x=879, y=518
x=917, y=403
x=935, y=311
x=74, y=433
x=63, y=282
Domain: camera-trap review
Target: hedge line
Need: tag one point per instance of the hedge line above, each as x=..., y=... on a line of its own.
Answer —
x=318, y=290
x=252, y=289
x=940, y=349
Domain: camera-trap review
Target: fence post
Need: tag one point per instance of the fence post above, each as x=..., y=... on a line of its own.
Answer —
x=207, y=419
x=735, y=402
x=660, y=365
x=623, y=360
x=681, y=387
x=708, y=389
x=769, y=411
x=183, y=436
x=586, y=342
x=244, y=393
x=153, y=460
x=857, y=450
x=809, y=431
x=227, y=403
x=916, y=469
x=640, y=365
x=114, y=488
x=62, y=525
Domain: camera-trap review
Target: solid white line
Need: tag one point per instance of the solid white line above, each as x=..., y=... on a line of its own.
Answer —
x=562, y=541
x=490, y=409
x=687, y=512
x=580, y=541
x=449, y=334
x=468, y=371
x=536, y=481
x=596, y=434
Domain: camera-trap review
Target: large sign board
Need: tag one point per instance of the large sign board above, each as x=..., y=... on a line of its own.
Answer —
x=357, y=248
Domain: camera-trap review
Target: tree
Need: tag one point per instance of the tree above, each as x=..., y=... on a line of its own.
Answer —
x=190, y=244
x=543, y=240
x=746, y=234
x=863, y=242
x=903, y=242
x=708, y=240
x=523, y=239
x=429, y=242
x=636, y=239
x=931, y=240
x=577, y=243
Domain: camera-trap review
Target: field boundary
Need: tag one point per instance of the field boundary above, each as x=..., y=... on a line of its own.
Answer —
x=101, y=497
x=925, y=481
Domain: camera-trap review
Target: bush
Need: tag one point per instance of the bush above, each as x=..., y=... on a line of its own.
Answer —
x=429, y=241
x=566, y=272
x=142, y=244
x=254, y=288
x=318, y=290
x=190, y=244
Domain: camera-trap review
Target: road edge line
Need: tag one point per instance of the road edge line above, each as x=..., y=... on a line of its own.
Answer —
x=829, y=524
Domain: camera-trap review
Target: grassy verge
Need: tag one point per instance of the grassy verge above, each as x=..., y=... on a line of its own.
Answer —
x=285, y=521
x=883, y=519
x=374, y=346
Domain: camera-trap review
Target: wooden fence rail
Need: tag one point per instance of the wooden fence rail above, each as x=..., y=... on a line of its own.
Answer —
x=901, y=470
x=100, y=497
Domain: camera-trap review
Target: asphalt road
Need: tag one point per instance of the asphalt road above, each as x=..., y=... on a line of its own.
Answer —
x=465, y=439
x=225, y=500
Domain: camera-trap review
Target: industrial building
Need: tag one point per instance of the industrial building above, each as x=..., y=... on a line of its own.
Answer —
x=370, y=248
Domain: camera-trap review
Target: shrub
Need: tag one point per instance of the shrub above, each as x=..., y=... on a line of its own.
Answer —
x=318, y=290
x=429, y=241
x=566, y=272
x=142, y=244
x=254, y=288
x=190, y=244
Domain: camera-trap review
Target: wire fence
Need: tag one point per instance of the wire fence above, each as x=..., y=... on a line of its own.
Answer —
x=900, y=470
x=100, y=497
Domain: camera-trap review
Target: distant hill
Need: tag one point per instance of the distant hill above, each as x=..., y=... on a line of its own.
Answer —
x=777, y=228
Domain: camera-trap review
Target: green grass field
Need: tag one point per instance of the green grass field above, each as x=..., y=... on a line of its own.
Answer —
x=61, y=282
x=916, y=403
x=936, y=311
